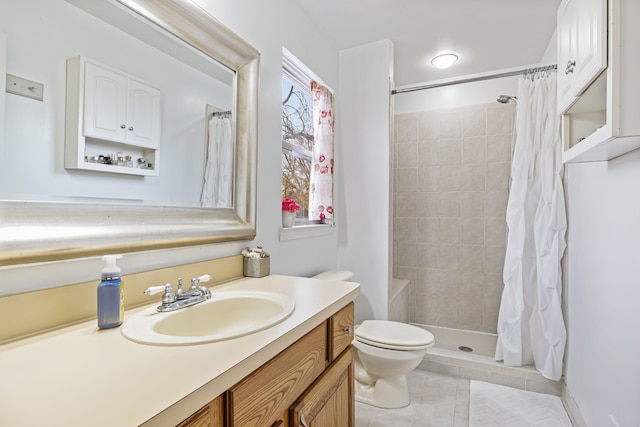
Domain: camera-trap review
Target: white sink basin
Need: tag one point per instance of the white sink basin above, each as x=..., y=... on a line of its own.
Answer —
x=227, y=315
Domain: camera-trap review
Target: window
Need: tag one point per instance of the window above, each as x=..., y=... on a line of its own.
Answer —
x=307, y=142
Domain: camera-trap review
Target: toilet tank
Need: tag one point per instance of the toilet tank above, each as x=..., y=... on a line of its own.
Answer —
x=341, y=275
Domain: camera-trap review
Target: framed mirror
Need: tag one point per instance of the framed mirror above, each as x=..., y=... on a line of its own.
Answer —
x=104, y=214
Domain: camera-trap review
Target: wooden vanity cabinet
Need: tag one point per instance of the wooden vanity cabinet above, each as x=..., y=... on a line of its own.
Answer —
x=309, y=383
x=329, y=401
x=264, y=397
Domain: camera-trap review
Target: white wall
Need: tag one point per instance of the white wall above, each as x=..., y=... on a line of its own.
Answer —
x=603, y=290
x=364, y=112
x=267, y=26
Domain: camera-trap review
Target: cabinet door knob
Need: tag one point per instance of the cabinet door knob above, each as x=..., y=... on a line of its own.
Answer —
x=303, y=422
x=570, y=66
x=122, y=126
x=130, y=127
x=348, y=330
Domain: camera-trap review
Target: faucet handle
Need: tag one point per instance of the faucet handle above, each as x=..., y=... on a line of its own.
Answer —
x=152, y=290
x=204, y=278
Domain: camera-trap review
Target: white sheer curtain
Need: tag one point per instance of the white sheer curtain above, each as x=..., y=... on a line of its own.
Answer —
x=530, y=323
x=216, y=187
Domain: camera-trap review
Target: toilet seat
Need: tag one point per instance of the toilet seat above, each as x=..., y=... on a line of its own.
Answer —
x=393, y=335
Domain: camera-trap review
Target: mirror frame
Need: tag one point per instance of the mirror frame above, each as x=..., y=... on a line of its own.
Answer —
x=33, y=231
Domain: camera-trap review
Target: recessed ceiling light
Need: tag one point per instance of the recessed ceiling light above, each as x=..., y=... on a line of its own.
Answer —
x=445, y=60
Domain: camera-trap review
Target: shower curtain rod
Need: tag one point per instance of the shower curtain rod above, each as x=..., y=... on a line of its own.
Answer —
x=524, y=71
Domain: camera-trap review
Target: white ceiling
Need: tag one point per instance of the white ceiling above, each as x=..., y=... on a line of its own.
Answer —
x=487, y=35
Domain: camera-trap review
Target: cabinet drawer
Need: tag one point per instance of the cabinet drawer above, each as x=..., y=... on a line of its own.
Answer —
x=263, y=397
x=342, y=327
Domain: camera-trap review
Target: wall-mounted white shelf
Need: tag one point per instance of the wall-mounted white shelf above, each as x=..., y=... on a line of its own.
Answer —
x=110, y=112
x=603, y=123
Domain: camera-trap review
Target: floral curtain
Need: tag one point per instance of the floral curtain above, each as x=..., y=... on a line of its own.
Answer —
x=321, y=192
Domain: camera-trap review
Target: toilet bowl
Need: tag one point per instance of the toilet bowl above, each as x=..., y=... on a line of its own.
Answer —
x=385, y=352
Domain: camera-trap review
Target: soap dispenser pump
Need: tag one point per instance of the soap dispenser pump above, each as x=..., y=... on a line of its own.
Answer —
x=110, y=294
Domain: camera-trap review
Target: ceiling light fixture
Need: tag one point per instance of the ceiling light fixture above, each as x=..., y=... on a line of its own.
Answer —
x=445, y=60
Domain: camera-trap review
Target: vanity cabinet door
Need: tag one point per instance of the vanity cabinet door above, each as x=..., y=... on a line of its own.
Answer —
x=342, y=327
x=210, y=415
x=264, y=397
x=329, y=402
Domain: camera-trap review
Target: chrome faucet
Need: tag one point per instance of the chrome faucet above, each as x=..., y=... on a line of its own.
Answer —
x=181, y=298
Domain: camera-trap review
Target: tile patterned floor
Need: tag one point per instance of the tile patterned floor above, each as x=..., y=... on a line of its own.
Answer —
x=437, y=400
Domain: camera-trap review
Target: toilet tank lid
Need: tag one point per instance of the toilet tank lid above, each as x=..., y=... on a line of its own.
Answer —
x=342, y=275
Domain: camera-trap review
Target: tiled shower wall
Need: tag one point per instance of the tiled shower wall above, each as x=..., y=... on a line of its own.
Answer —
x=450, y=193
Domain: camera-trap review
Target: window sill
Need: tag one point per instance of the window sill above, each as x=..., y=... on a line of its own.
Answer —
x=305, y=231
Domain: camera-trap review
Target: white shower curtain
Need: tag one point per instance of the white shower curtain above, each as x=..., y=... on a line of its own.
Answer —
x=530, y=323
x=216, y=188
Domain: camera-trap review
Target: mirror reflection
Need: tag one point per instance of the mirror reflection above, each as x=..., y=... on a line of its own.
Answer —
x=59, y=201
x=67, y=147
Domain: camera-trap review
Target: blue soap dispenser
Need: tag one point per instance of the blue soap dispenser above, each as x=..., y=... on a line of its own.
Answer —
x=110, y=295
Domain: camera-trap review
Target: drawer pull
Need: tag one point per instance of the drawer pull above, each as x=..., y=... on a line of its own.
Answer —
x=349, y=330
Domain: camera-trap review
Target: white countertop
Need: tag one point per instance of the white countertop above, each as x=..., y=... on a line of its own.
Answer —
x=81, y=376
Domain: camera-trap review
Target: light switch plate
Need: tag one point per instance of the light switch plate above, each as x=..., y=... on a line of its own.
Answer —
x=23, y=87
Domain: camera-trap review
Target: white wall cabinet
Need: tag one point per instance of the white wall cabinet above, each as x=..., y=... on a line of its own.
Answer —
x=603, y=122
x=582, y=47
x=110, y=112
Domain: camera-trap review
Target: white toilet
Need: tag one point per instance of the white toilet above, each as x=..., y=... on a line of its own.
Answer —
x=386, y=352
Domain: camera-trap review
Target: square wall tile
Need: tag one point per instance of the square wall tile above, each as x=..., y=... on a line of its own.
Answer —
x=406, y=129
x=450, y=178
x=472, y=204
x=474, y=122
x=495, y=232
x=472, y=260
x=499, y=148
x=428, y=126
x=405, y=205
x=450, y=125
x=474, y=150
x=450, y=152
x=407, y=180
x=428, y=230
x=407, y=155
x=500, y=120
x=429, y=178
x=449, y=204
x=498, y=176
x=428, y=153
x=472, y=231
x=428, y=204
x=473, y=177
x=449, y=230
x=406, y=230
